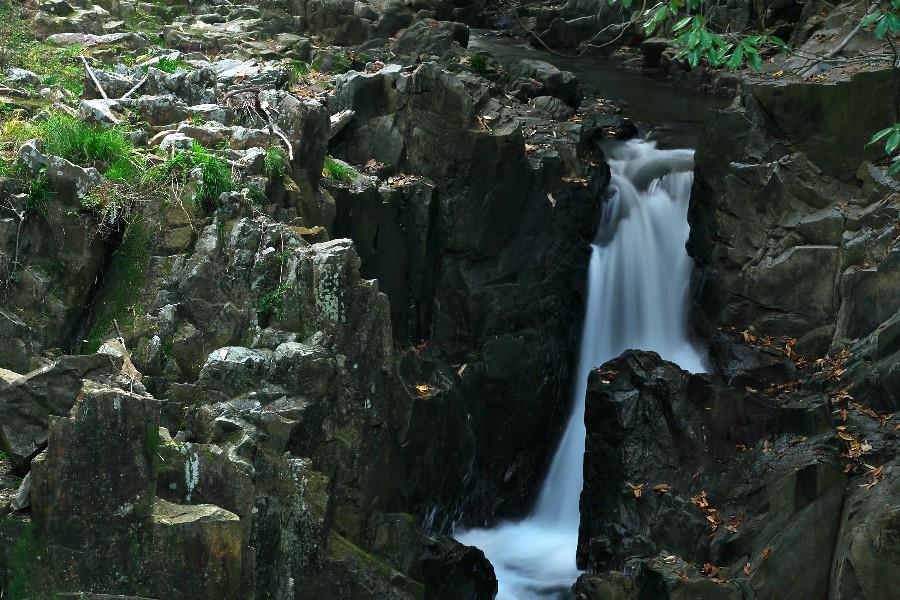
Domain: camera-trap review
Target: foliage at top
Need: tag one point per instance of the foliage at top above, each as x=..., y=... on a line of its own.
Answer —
x=55, y=66
x=885, y=15
x=79, y=142
x=695, y=41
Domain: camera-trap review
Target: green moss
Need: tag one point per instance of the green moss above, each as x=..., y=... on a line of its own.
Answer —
x=22, y=560
x=338, y=172
x=124, y=282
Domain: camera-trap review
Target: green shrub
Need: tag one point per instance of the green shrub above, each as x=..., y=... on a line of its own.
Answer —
x=86, y=144
x=215, y=174
x=275, y=162
x=338, y=172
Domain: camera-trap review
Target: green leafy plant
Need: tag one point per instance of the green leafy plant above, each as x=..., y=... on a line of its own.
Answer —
x=271, y=302
x=275, y=162
x=886, y=17
x=891, y=137
x=215, y=174
x=338, y=172
x=695, y=41
x=79, y=142
x=884, y=14
x=3, y=456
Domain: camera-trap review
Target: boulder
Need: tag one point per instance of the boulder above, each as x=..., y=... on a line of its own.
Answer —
x=28, y=403
x=533, y=78
x=676, y=464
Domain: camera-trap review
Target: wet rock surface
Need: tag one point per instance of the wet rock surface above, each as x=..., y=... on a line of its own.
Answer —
x=293, y=387
x=292, y=381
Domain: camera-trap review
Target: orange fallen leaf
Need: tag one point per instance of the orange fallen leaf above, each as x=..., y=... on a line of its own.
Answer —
x=637, y=490
x=766, y=553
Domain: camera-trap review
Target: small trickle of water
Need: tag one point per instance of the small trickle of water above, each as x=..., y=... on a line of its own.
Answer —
x=638, y=282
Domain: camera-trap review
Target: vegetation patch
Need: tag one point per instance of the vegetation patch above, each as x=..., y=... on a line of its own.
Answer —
x=172, y=65
x=271, y=303
x=214, y=170
x=55, y=66
x=479, y=62
x=338, y=172
x=275, y=162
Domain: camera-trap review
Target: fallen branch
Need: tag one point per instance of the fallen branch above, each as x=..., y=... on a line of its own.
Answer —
x=276, y=130
x=94, y=77
x=339, y=121
x=843, y=44
x=136, y=87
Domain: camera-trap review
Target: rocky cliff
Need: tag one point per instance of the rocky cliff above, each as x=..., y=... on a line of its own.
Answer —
x=278, y=313
x=290, y=289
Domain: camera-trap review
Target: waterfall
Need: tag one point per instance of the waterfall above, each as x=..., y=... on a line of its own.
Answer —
x=638, y=282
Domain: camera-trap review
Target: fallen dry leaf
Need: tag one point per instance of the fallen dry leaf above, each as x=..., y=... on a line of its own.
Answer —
x=424, y=390
x=747, y=568
x=661, y=488
x=766, y=553
x=637, y=490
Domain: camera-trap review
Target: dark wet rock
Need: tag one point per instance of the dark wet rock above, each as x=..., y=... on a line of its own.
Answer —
x=478, y=234
x=873, y=369
x=866, y=553
x=789, y=240
x=456, y=572
x=533, y=78
x=428, y=38
x=96, y=514
x=649, y=423
x=554, y=108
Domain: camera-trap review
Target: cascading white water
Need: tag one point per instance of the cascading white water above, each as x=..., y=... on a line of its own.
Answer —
x=638, y=282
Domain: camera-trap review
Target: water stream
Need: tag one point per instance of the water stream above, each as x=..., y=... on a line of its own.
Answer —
x=638, y=282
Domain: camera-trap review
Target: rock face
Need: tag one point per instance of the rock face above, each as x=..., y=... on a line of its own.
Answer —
x=471, y=266
x=752, y=482
x=681, y=466
x=95, y=512
x=792, y=236
x=28, y=403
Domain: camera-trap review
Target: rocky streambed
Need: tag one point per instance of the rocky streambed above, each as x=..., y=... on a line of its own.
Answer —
x=291, y=290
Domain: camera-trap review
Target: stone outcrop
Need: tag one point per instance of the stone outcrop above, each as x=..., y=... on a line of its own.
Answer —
x=685, y=470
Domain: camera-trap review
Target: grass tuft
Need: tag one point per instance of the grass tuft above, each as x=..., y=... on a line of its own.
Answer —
x=275, y=162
